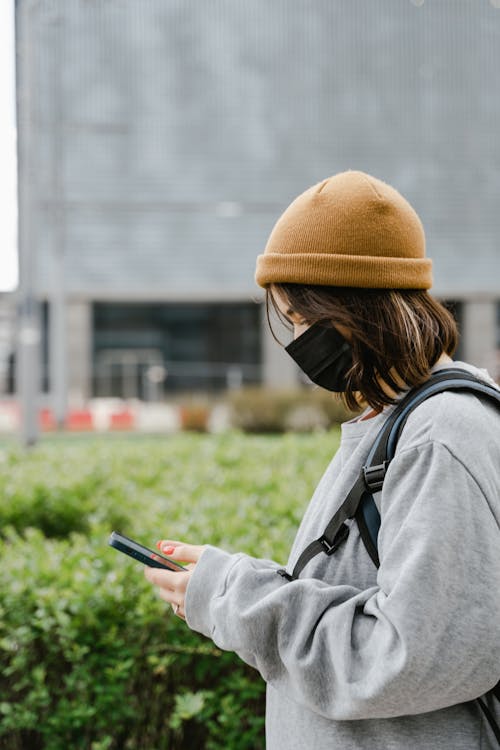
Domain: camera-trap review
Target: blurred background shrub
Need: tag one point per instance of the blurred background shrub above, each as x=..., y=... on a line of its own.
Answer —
x=90, y=657
x=272, y=410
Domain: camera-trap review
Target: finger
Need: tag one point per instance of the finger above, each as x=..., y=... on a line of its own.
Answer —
x=165, y=579
x=180, y=551
x=170, y=542
x=176, y=602
x=171, y=597
x=174, y=547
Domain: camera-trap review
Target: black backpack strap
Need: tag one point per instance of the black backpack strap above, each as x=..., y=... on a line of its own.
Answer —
x=450, y=379
x=359, y=503
x=335, y=533
x=489, y=715
x=368, y=520
x=384, y=447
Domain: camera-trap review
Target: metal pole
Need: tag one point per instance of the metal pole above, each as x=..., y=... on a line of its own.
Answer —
x=57, y=311
x=28, y=349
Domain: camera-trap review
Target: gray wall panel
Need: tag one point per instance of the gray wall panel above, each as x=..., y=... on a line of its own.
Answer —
x=148, y=114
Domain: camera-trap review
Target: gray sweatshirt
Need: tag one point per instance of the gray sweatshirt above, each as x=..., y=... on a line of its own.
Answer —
x=356, y=657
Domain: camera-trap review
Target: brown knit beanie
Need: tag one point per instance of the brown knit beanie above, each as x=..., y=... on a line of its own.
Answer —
x=350, y=230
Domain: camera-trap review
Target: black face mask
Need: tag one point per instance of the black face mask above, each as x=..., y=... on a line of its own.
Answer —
x=324, y=355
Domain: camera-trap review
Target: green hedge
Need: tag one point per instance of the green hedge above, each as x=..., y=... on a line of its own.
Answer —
x=90, y=658
x=270, y=410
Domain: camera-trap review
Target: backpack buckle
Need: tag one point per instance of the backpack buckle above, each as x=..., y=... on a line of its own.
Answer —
x=374, y=476
x=284, y=574
x=330, y=547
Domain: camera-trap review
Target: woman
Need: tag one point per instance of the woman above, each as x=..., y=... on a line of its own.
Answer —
x=356, y=657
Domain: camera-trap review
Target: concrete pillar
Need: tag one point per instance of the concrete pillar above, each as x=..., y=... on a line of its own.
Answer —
x=278, y=369
x=79, y=347
x=480, y=334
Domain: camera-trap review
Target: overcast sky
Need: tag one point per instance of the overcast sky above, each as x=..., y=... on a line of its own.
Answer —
x=8, y=202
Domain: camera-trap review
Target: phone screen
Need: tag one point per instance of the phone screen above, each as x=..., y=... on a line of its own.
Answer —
x=141, y=553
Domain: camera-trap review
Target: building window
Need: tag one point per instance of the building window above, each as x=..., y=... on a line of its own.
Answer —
x=149, y=351
x=457, y=310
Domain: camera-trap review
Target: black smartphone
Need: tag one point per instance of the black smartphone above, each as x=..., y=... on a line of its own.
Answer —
x=142, y=554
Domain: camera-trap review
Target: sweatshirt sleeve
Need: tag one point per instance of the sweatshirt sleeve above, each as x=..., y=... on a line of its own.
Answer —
x=425, y=637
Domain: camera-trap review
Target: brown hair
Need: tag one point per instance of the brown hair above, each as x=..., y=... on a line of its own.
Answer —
x=396, y=335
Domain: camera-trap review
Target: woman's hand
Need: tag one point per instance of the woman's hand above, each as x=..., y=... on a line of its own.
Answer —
x=172, y=585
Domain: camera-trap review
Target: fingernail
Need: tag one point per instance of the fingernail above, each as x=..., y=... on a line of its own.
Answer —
x=168, y=550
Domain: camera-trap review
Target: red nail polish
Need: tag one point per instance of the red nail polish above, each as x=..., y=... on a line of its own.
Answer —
x=168, y=550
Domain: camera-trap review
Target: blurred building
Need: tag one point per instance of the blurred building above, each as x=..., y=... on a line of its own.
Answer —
x=160, y=140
